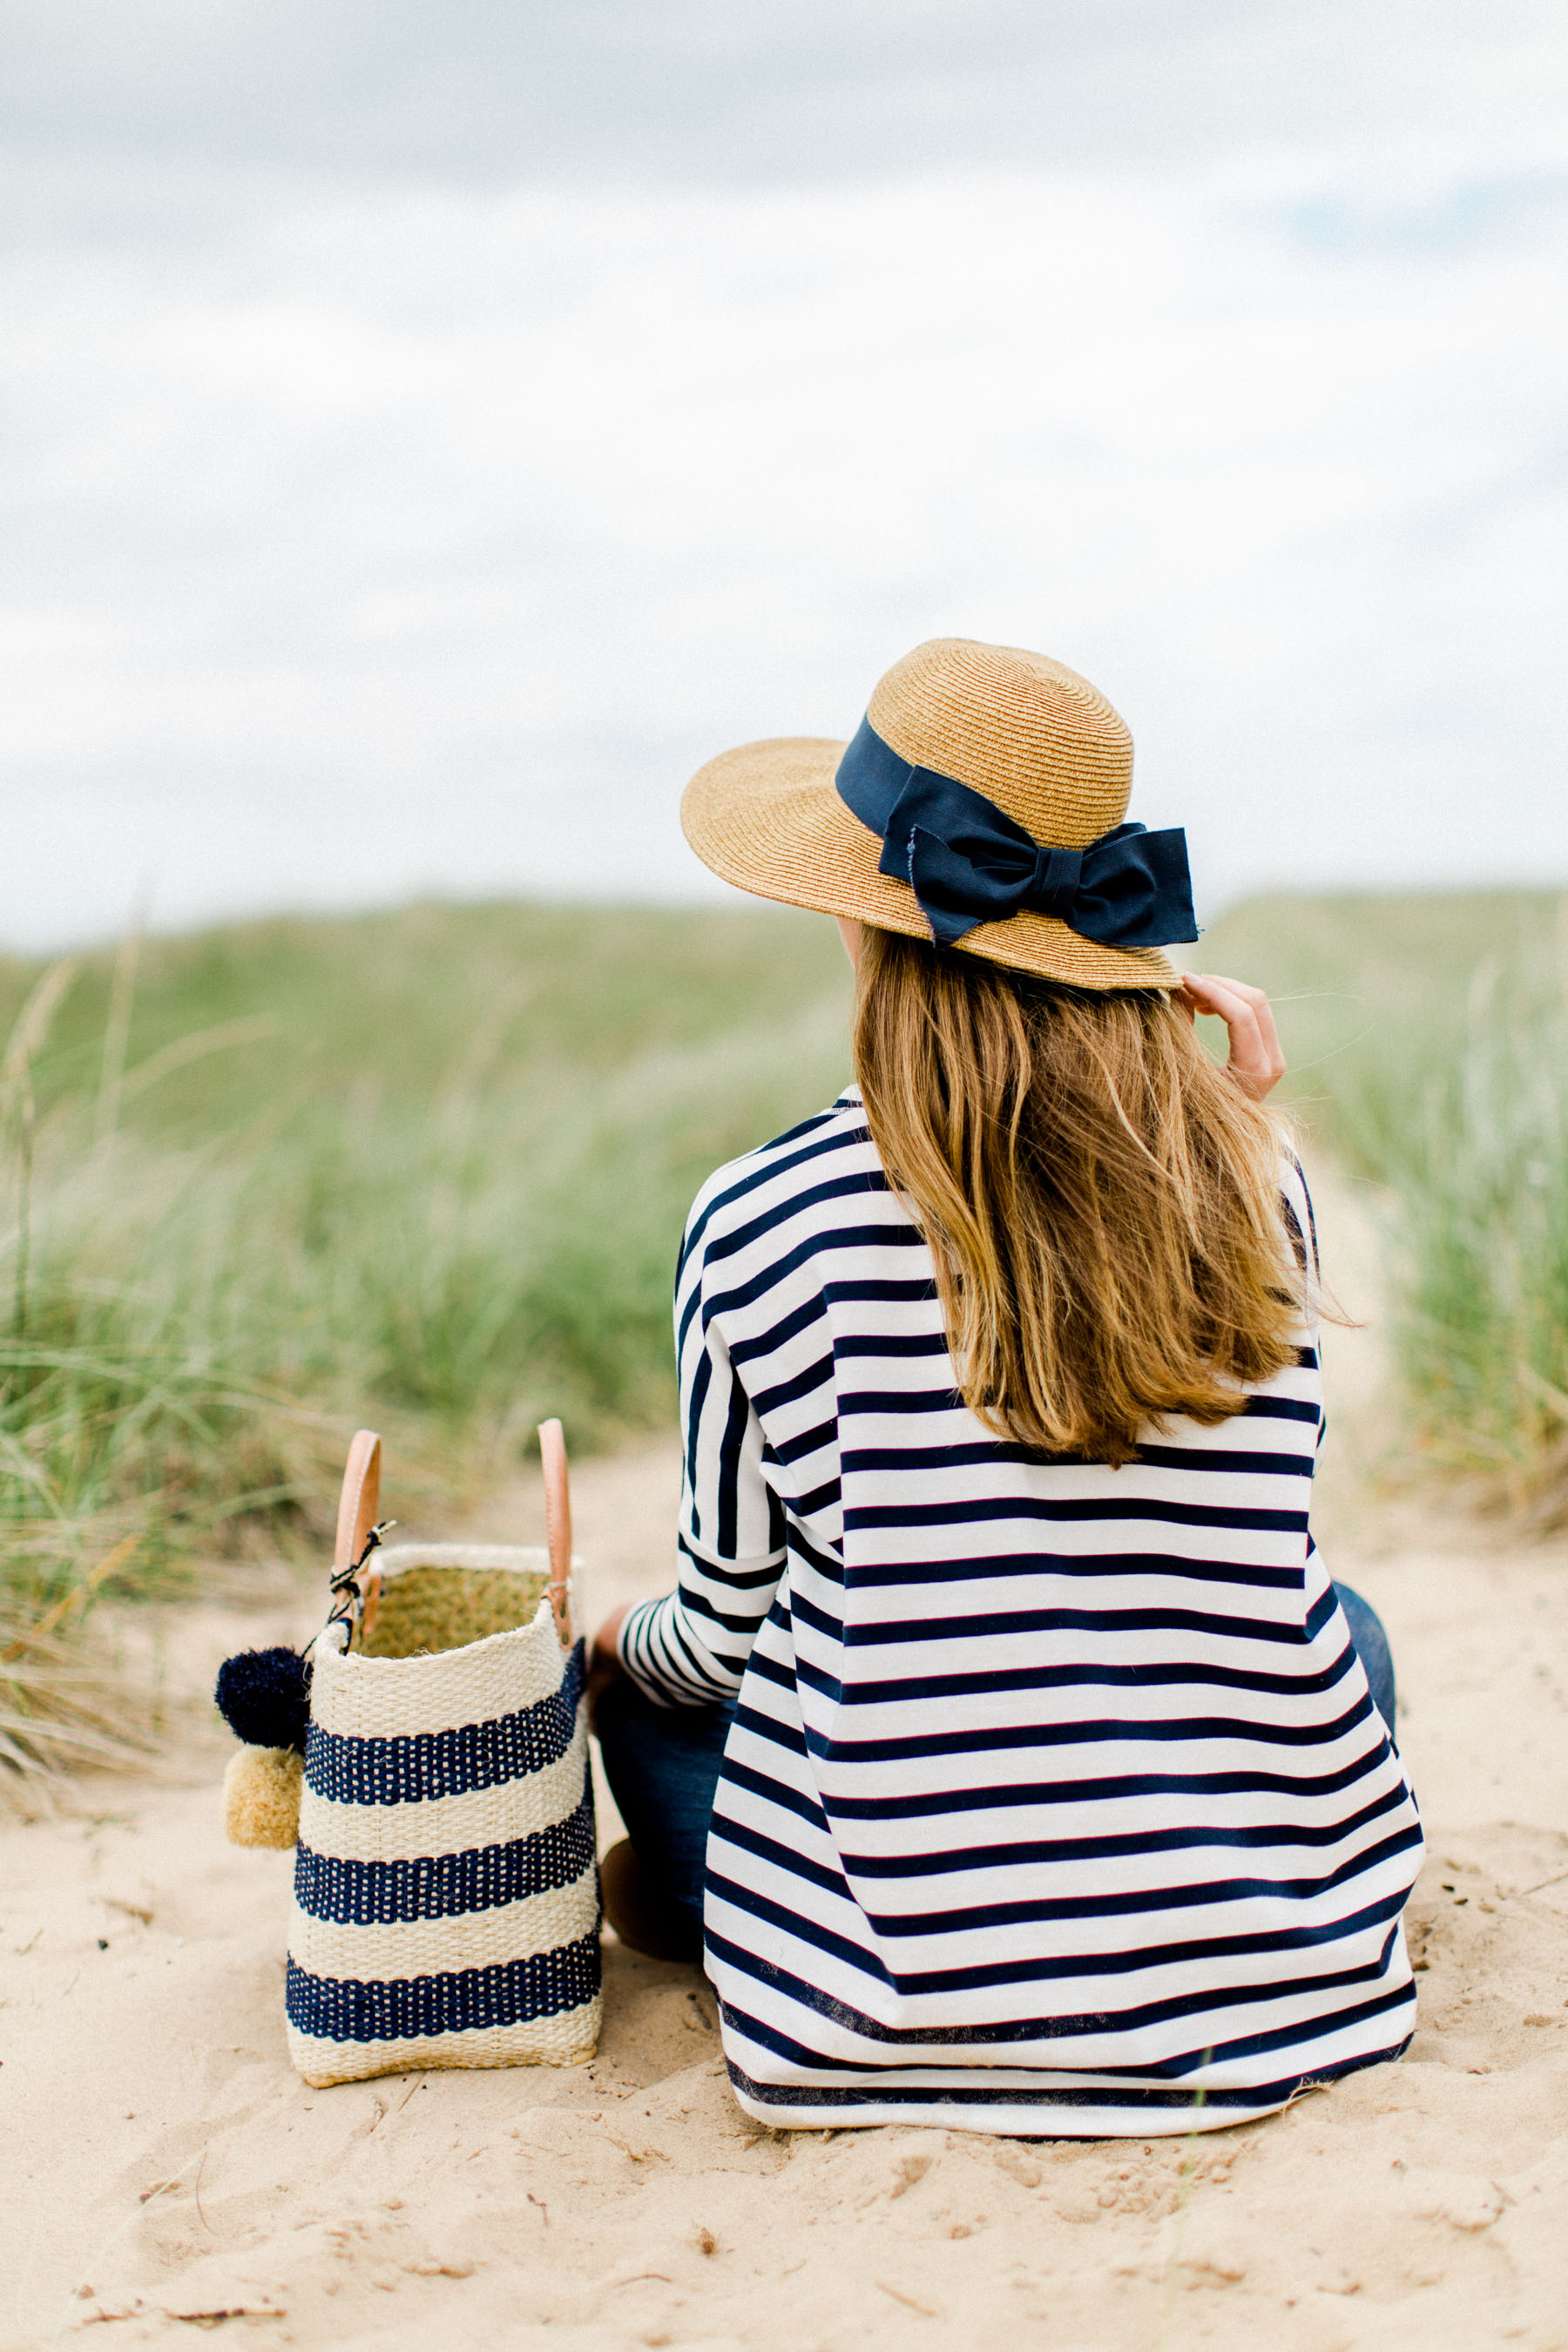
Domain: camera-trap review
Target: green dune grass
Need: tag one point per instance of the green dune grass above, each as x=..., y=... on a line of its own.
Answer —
x=430, y=1169
x=426, y=1170
x=1428, y=1037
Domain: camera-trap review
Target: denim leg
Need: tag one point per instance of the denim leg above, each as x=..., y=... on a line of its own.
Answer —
x=1371, y=1641
x=662, y=1764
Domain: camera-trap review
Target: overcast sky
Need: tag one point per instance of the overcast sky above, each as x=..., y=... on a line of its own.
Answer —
x=431, y=430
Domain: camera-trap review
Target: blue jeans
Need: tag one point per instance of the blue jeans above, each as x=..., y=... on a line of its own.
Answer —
x=1371, y=1639
x=663, y=1763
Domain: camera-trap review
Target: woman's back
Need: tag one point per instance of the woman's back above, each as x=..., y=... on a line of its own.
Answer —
x=1056, y=1797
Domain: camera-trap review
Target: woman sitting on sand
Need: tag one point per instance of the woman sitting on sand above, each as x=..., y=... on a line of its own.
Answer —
x=1005, y=1742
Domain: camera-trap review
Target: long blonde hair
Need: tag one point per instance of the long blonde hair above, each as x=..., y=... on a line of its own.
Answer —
x=1102, y=1202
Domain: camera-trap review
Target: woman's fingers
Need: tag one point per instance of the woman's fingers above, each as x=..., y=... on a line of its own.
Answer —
x=1254, y=1002
x=1255, y=1061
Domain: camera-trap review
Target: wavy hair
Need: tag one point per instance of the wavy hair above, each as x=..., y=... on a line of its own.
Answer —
x=1102, y=1202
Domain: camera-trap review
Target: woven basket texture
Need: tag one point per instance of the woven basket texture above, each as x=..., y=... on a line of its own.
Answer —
x=1033, y=735
x=447, y=1899
x=439, y=1596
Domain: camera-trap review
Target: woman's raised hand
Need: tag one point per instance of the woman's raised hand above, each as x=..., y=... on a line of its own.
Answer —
x=1255, y=1061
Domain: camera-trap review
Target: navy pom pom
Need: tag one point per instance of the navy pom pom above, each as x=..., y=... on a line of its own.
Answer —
x=264, y=1696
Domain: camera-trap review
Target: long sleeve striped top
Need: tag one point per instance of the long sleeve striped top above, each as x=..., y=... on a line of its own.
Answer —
x=1056, y=1800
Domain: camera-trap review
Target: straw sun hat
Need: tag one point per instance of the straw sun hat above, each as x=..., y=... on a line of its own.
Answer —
x=982, y=804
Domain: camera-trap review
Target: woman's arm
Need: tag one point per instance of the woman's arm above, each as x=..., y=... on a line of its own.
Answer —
x=689, y=1649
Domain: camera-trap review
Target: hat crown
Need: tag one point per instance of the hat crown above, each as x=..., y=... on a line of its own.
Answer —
x=1033, y=736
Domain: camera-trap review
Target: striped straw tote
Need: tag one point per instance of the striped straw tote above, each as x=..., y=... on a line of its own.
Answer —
x=445, y=1888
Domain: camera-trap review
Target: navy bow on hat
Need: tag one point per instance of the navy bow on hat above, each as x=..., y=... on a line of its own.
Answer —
x=968, y=863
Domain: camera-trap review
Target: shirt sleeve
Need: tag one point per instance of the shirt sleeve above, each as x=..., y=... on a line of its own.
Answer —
x=689, y=1649
x=1301, y=1224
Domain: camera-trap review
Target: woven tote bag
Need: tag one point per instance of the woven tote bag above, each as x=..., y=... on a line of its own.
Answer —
x=445, y=1887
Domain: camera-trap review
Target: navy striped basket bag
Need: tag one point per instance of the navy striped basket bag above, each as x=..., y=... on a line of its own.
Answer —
x=446, y=1885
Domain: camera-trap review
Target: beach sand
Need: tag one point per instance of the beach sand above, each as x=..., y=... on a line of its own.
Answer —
x=165, y=2168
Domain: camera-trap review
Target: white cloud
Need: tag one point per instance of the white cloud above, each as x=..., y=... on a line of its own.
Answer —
x=408, y=537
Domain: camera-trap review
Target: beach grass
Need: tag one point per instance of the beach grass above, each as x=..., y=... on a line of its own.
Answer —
x=1428, y=1037
x=428, y=1169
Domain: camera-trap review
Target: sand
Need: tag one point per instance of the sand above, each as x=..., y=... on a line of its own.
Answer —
x=165, y=2170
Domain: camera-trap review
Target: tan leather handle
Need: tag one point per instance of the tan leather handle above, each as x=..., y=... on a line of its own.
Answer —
x=557, y=1521
x=361, y=1498
x=358, y=1508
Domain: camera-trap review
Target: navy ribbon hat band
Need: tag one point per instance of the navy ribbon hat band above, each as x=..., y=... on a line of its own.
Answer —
x=968, y=863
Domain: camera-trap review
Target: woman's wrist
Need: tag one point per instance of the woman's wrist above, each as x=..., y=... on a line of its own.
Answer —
x=605, y=1662
x=607, y=1640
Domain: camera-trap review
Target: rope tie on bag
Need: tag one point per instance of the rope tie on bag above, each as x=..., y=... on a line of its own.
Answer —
x=347, y=1599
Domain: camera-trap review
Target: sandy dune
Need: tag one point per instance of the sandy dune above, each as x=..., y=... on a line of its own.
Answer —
x=165, y=2168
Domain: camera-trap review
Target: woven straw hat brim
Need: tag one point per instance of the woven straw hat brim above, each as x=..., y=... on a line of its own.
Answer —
x=768, y=818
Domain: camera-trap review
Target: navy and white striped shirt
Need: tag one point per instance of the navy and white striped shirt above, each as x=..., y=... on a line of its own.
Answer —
x=1056, y=1799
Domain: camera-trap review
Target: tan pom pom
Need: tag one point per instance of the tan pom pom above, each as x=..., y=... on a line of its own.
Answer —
x=261, y=1797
